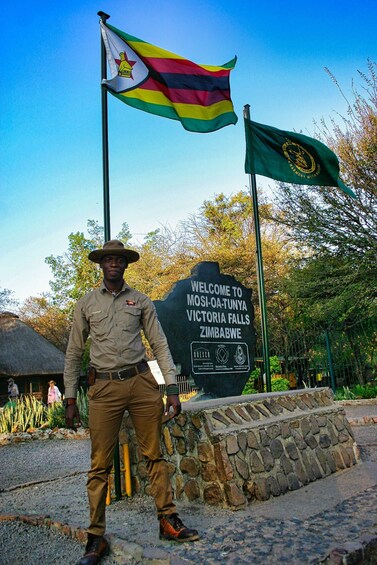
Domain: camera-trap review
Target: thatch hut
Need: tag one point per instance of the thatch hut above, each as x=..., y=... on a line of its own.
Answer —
x=27, y=357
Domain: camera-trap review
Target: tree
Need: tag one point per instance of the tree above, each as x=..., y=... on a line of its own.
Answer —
x=224, y=232
x=47, y=319
x=164, y=259
x=6, y=299
x=74, y=274
x=338, y=233
x=334, y=282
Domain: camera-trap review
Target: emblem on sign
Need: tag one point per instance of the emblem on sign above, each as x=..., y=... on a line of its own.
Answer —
x=240, y=356
x=222, y=354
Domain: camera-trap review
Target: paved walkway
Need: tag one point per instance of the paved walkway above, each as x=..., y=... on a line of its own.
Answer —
x=333, y=520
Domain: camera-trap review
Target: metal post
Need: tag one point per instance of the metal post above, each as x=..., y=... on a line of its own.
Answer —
x=329, y=359
x=106, y=208
x=260, y=274
x=105, y=139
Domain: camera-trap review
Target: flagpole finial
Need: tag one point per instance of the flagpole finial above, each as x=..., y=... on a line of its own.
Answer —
x=246, y=111
x=103, y=16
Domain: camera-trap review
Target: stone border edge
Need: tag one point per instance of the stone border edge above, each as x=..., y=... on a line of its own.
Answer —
x=357, y=552
x=118, y=548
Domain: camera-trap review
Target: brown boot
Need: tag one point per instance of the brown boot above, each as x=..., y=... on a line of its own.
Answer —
x=96, y=548
x=172, y=528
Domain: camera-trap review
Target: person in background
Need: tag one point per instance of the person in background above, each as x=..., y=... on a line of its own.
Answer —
x=13, y=392
x=120, y=379
x=53, y=394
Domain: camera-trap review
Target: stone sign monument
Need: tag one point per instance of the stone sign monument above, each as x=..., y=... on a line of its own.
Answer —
x=208, y=321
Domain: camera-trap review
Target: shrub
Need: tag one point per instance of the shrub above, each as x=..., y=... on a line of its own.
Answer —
x=28, y=413
x=23, y=414
x=366, y=391
x=344, y=394
x=249, y=387
x=357, y=391
x=279, y=384
x=56, y=416
x=83, y=406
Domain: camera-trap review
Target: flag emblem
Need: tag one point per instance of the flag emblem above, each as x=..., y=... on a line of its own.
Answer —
x=300, y=160
x=127, y=69
x=124, y=65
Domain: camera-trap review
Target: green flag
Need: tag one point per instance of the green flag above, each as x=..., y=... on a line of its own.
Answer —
x=290, y=157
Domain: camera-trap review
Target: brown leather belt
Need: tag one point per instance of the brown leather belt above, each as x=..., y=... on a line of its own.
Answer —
x=125, y=374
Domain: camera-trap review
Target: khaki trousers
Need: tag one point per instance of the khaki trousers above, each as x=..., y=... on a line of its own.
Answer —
x=108, y=400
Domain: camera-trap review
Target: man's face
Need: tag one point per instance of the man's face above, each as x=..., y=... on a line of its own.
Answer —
x=113, y=267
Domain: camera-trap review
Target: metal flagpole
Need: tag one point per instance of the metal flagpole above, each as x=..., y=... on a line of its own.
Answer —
x=106, y=210
x=105, y=138
x=260, y=274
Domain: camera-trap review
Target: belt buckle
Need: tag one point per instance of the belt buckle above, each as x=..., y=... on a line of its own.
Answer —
x=119, y=377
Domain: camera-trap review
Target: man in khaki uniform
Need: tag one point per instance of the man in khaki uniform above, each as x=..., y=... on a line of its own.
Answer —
x=113, y=315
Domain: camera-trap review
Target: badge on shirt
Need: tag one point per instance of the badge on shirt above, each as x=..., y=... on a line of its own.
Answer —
x=130, y=303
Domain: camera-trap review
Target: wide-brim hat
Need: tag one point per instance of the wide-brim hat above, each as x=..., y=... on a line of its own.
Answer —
x=10, y=380
x=114, y=247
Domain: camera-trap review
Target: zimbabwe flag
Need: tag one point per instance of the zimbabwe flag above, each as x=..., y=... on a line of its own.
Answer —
x=162, y=83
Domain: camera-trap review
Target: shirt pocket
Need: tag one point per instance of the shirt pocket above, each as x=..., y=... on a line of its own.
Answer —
x=98, y=322
x=131, y=316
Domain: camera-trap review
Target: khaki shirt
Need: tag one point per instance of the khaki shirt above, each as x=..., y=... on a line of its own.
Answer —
x=114, y=325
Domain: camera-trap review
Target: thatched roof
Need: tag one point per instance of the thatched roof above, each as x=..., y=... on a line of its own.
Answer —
x=24, y=352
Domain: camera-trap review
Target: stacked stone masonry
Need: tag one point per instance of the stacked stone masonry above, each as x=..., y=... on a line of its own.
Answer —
x=230, y=452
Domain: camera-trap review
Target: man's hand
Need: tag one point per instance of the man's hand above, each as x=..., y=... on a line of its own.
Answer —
x=173, y=407
x=71, y=414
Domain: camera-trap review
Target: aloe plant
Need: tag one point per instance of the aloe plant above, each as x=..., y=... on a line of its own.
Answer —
x=21, y=415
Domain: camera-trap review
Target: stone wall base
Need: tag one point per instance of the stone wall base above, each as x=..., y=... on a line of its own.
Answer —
x=230, y=452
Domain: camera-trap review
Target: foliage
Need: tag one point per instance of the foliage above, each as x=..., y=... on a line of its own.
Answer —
x=332, y=283
x=56, y=412
x=6, y=299
x=55, y=416
x=366, y=391
x=164, y=259
x=357, y=391
x=27, y=413
x=48, y=319
x=279, y=384
x=224, y=232
x=83, y=406
x=344, y=394
x=336, y=278
x=249, y=387
x=275, y=365
x=22, y=414
x=73, y=276
x=73, y=273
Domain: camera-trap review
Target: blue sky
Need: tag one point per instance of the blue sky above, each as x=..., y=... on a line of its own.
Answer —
x=51, y=156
